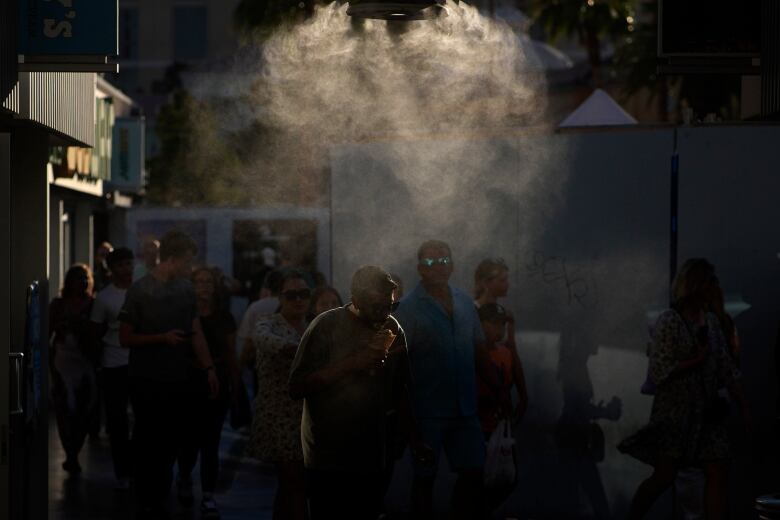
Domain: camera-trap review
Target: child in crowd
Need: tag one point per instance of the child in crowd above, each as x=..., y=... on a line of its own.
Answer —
x=494, y=402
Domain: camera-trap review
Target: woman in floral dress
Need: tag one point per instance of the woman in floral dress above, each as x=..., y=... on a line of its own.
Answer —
x=688, y=425
x=276, y=425
x=72, y=361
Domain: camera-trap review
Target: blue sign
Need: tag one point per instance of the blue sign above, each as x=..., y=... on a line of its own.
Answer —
x=33, y=350
x=68, y=27
x=127, y=154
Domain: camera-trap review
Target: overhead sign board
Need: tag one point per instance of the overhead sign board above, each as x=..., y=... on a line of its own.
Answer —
x=65, y=32
x=711, y=28
x=709, y=37
x=127, y=155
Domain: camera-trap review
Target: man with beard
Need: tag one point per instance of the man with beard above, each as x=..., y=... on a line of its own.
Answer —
x=351, y=369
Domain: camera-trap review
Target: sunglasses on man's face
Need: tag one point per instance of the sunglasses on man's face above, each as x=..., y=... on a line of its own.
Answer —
x=428, y=262
x=300, y=294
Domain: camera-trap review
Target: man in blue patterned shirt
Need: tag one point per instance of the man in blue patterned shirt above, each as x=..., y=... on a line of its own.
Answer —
x=445, y=342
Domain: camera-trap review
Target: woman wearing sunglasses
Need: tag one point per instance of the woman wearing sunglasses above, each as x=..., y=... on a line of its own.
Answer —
x=276, y=424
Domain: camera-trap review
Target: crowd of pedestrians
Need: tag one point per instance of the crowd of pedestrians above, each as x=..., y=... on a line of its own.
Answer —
x=341, y=390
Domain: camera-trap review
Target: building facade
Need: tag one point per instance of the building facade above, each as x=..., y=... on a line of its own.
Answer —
x=63, y=130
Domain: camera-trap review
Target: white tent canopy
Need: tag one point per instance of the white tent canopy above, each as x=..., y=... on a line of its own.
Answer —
x=513, y=17
x=542, y=56
x=598, y=110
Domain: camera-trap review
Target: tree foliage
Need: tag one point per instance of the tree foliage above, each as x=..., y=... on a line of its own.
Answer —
x=192, y=151
x=591, y=21
x=637, y=65
x=636, y=57
x=259, y=18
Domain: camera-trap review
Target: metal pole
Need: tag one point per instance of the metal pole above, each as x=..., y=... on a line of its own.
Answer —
x=673, y=208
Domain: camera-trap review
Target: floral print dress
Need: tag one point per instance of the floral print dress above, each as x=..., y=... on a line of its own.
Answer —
x=276, y=422
x=72, y=364
x=686, y=423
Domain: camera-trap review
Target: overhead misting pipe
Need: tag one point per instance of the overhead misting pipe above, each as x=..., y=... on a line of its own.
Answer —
x=673, y=209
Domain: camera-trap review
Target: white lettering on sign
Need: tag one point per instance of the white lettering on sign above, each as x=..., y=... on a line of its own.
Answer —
x=54, y=29
x=60, y=28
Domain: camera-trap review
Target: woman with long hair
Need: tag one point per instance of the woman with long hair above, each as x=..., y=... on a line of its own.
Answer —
x=219, y=329
x=323, y=299
x=72, y=359
x=718, y=308
x=491, y=282
x=688, y=426
x=276, y=425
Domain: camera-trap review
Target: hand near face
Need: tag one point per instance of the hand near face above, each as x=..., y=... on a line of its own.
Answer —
x=368, y=358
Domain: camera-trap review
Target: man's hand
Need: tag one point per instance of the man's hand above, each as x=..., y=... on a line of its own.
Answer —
x=422, y=453
x=368, y=357
x=378, y=342
x=213, y=381
x=174, y=337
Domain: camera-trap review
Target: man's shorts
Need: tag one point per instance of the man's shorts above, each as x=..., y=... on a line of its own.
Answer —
x=461, y=438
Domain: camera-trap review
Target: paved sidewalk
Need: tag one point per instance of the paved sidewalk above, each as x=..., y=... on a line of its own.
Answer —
x=245, y=488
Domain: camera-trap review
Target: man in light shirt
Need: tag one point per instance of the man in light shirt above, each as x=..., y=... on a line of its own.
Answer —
x=114, y=358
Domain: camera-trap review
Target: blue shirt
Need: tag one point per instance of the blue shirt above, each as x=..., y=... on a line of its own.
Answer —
x=441, y=353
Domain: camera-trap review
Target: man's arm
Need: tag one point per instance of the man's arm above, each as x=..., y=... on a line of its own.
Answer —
x=522, y=392
x=201, y=349
x=233, y=366
x=128, y=338
x=306, y=385
x=99, y=320
x=199, y=345
x=230, y=353
x=312, y=371
x=131, y=315
x=485, y=368
x=403, y=404
x=422, y=453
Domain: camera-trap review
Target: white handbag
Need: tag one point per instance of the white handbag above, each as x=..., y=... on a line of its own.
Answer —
x=500, y=464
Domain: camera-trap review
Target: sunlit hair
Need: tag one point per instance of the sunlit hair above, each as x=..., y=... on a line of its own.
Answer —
x=487, y=269
x=432, y=244
x=219, y=296
x=318, y=293
x=72, y=277
x=694, y=275
x=371, y=279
